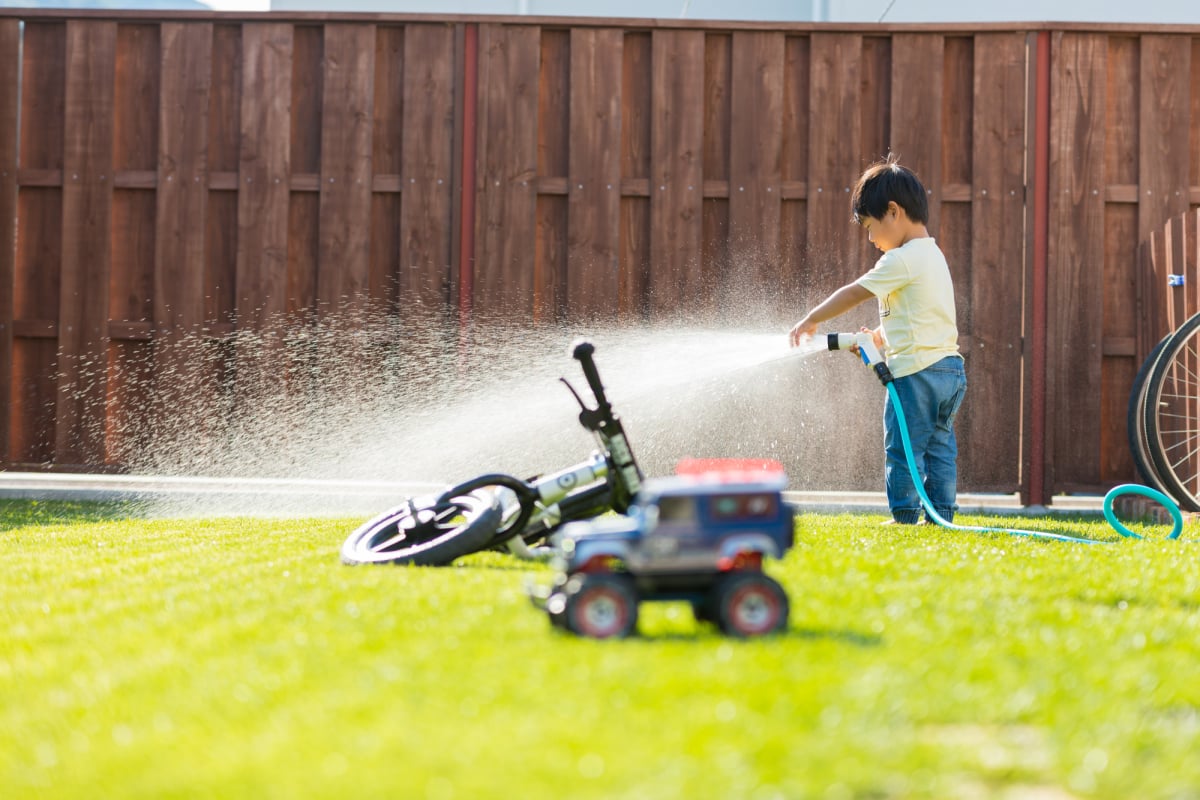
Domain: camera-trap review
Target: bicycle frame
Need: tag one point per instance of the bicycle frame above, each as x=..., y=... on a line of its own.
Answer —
x=607, y=480
x=494, y=510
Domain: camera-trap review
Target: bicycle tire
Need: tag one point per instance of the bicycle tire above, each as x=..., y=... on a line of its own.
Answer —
x=426, y=531
x=1171, y=413
x=1135, y=416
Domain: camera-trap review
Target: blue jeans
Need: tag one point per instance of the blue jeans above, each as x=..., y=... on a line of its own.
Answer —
x=930, y=399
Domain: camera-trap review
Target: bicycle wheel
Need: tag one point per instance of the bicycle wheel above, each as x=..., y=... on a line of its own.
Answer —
x=426, y=531
x=1172, y=415
x=1135, y=417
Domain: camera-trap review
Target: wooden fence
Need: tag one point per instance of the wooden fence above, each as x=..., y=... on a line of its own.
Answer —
x=193, y=171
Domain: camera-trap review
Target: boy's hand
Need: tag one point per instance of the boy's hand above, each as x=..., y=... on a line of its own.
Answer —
x=802, y=330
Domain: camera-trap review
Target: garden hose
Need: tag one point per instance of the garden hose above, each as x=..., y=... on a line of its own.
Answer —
x=865, y=344
x=1128, y=488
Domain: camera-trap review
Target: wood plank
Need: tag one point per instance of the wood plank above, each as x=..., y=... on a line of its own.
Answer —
x=43, y=86
x=131, y=362
x=387, y=139
x=427, y=165
x=263, y=173
x=1076, y=257
x=756, y=167
x=131, y=272
x=677, y=126
x=182, y=178
x=918, y=137
x=224, y=103
x=875, y=101
x=990, y=425
x=635, y=170
x=793, y=216
x=304, y=257
x=716, y=246
x=307, y=98
x=1164, y=133
x=553, y=158
x=834, y=165
x=32, y=415
x=506, y=155
x=1194, y=147
x=136, y=97
x=1120, y=325
x=10, y=90
x=86, y=243
x=344, y=265
x=594, y=202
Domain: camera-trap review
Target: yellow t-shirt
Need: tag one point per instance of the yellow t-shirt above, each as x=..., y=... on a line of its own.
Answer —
x=916, y=305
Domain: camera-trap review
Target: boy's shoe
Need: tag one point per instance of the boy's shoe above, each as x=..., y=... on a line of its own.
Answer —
x=898, y=522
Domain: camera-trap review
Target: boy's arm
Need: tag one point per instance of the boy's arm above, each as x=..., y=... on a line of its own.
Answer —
x=844, y=299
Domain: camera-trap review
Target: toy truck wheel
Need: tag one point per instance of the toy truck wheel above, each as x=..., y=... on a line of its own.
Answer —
x=601, y=605
x=750, y=604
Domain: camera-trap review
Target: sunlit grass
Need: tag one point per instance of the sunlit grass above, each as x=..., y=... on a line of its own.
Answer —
x=239, y=658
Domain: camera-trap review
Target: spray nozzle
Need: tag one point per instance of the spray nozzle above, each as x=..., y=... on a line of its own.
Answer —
x=867, y=351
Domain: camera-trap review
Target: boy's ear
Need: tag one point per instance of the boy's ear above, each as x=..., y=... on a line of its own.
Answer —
x=893, y=206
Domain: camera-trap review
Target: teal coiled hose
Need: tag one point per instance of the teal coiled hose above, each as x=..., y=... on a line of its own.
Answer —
x=1113, y=494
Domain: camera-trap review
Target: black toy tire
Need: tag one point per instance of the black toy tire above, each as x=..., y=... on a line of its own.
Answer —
x=425, y=532
x=601, y=605
x=750, y=604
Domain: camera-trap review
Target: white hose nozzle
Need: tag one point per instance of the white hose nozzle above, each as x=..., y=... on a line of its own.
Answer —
x=865, y=342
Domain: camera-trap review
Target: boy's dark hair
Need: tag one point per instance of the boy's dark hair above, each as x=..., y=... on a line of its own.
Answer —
x=886, y=181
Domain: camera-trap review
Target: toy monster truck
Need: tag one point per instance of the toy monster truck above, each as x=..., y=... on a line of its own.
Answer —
x=699, y=537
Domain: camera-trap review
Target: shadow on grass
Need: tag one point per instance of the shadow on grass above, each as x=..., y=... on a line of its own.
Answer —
x=708, y=633
x=25, y=513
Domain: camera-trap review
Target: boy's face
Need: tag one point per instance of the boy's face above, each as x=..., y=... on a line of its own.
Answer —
x=889, y=232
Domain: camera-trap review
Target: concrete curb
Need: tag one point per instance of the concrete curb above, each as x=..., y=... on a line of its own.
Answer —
x=188, y=496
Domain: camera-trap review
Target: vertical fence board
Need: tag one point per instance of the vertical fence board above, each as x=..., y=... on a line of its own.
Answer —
x=676, y=176
x=793, y=214
x=719, y=273
x=1075, y=283
x=32, y=417
x=182, y=193
x=264, y=173
x=1164, y=129
x=86, y=246
x=635, y=166
x=755, y=165
x=506, y=207
x=387, y=141
x=916, y=109
x=344, y=265
x=550, y=256
x=427, y=163
x=10, y=63
x=1193, y=172
x=834, y=163
x=993, y=417
x=594, y=180
x=224, y=138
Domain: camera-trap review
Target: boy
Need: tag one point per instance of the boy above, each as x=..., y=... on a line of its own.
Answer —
x=917, y=335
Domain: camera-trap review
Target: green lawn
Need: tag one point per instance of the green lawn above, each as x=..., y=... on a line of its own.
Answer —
x=239, y=658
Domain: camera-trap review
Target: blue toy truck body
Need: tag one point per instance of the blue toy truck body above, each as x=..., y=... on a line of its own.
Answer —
x=701, y=539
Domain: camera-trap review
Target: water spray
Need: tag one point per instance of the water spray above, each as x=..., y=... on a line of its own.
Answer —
x=864, y=344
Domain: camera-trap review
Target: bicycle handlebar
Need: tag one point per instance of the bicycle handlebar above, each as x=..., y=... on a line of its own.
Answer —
x=582, y=351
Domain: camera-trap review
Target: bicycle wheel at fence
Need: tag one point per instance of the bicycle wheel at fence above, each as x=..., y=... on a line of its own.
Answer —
x=1135, y=420
x=426, y=532
x=1172, y=415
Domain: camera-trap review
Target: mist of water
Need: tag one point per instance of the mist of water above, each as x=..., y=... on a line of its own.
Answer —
x=377, y=398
